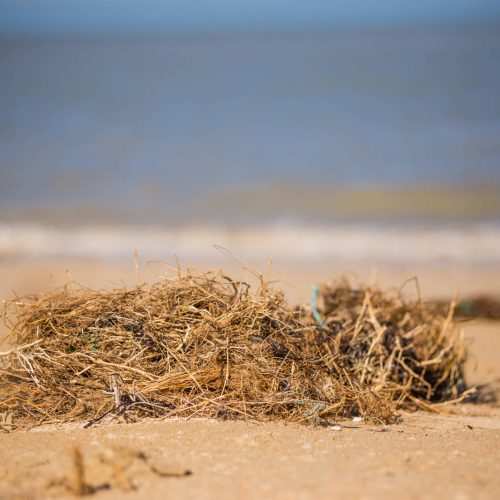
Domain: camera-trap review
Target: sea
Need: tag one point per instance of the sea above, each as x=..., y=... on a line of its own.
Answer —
x=345, y=143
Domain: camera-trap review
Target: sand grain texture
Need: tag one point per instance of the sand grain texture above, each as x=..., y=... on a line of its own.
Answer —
x=426, y=456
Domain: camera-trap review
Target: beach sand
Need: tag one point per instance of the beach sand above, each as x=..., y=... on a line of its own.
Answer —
x=452, y=455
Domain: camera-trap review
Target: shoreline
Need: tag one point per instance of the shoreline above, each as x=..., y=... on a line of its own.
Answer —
x=387, y=244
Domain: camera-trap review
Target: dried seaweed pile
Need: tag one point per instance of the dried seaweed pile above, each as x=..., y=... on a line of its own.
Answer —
x=386, y=343
x=204, y=345
x=480, y=306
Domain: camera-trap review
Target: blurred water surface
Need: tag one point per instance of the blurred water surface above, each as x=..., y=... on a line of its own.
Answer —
x=160, y=130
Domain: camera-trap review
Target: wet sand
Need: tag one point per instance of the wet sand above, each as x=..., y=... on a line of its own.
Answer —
x=424, y=456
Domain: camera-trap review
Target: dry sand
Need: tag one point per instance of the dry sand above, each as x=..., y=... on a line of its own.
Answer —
x=424, y=456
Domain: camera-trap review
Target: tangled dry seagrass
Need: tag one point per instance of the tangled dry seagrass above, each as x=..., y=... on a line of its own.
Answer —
x=205, y=345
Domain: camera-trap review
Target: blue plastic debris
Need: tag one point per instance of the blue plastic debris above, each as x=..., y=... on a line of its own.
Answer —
x=314, y=307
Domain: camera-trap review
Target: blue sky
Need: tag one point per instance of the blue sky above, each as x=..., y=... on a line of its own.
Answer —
x=59, y=17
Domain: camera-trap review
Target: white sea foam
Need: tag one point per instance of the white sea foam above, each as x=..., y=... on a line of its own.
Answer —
x=473, y=244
